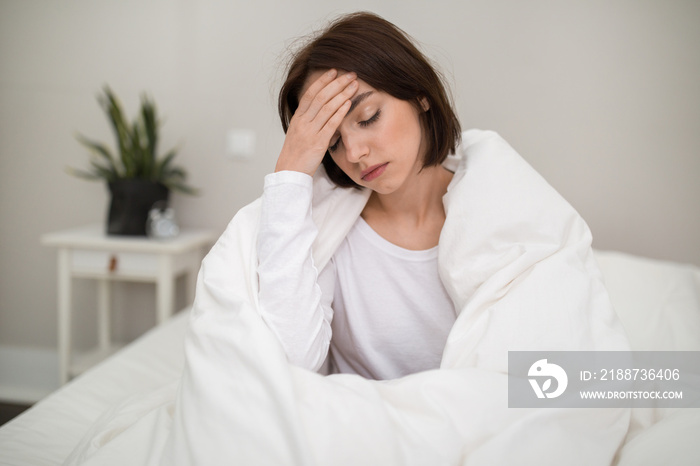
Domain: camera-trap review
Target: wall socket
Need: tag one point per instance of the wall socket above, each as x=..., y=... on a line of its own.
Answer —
x=240, y=144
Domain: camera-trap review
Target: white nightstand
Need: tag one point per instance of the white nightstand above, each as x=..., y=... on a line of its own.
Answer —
x=89, y=253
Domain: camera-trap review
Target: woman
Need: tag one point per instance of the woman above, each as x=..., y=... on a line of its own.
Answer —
x=363, y=101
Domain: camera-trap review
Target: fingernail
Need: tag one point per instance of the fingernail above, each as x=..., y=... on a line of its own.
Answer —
x=352, y=75
x=332, y=72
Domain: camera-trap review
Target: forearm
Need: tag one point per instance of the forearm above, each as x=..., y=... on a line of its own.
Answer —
x=291, y=300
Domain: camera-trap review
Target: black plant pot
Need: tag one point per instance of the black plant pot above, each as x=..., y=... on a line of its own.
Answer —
x=131, y=201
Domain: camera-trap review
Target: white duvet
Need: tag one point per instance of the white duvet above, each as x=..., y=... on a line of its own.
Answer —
x=515, y=258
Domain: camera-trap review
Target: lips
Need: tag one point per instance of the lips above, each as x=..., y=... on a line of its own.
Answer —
x=373, y=172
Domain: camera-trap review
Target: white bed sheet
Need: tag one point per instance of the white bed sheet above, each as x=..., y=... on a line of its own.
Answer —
x=46, y=434
x=658, y=303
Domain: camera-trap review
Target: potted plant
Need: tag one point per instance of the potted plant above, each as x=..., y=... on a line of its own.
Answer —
x=136, y=177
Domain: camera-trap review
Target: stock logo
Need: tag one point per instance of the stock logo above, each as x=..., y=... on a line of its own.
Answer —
x=542, y=370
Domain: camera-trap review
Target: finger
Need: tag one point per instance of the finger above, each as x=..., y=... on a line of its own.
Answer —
x=330, y=109
x=335, y=120
x=314, y=89
x=328, y=92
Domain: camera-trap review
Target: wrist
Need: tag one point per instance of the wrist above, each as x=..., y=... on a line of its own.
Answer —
x=283, y=165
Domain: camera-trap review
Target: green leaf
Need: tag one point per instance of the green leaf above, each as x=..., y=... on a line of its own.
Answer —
x=83, y=174
x=162, y=166
x=113, y=108
x=104, y=172
x=150, y=126
x=137, y=151
x=100, y=150
x=175, y=172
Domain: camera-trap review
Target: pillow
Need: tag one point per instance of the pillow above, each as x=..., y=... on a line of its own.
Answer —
x=658, y=302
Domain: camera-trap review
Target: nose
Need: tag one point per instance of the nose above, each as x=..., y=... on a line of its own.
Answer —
x=355, y=148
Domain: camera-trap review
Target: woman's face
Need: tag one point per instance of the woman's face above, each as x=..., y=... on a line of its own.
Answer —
x=379, y=144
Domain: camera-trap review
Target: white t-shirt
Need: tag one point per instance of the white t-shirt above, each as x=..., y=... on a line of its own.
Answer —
x=389, y=313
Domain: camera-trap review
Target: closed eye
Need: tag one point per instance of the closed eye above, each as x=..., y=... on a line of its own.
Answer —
x=371, y=120
x=362, y=124
x=334, y=146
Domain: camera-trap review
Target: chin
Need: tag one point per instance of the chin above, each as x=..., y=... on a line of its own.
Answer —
x=381, y=188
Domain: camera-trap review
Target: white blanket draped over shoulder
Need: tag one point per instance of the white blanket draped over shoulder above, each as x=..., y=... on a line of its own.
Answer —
x=515, y=258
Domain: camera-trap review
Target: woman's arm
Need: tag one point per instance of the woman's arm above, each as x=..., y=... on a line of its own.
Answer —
x=295, y=299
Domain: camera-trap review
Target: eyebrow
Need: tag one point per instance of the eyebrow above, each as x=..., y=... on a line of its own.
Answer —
x=355, y=101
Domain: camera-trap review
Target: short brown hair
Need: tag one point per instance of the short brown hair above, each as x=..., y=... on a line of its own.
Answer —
x=384, y=57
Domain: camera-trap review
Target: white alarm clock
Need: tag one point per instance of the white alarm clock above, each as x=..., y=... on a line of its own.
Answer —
x=161, y=223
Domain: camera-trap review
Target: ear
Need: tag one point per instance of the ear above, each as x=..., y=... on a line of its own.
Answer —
x=425, y=105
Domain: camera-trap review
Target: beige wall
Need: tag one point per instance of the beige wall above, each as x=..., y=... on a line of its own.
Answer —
x=603, y=98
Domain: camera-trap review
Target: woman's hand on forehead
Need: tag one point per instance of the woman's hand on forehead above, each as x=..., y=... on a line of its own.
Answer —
x=322, y=108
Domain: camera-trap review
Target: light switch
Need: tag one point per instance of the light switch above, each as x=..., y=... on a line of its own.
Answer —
x=240, y=144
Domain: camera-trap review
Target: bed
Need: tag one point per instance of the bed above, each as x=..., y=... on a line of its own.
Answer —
x=658, y=303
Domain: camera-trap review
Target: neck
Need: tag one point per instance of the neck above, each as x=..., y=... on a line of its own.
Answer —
x=418, y=200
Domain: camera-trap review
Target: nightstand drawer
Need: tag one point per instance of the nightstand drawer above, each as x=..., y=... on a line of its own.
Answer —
x=112, y=263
